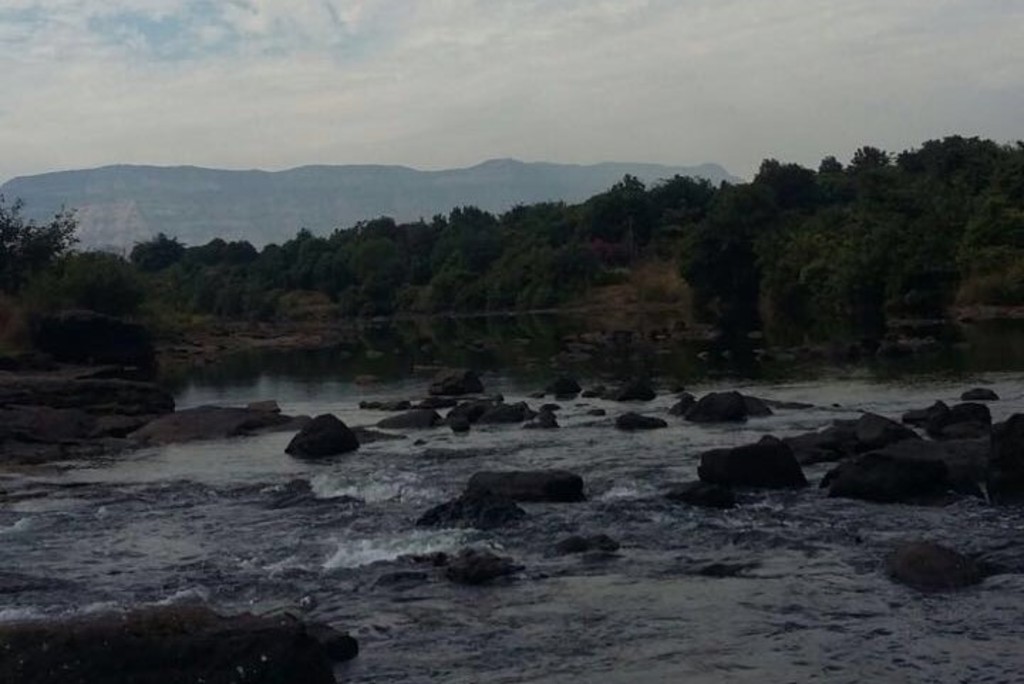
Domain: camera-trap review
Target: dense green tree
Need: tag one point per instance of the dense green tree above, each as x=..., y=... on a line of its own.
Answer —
x=27, y=248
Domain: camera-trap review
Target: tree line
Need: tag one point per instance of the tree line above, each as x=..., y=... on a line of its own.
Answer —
x=832, y=251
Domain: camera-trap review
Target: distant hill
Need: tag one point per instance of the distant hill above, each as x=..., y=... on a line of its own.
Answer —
x=120, y=205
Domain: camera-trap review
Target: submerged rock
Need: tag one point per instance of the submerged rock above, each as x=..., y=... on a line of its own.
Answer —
x=581, y=544
x=702, y=494
x=325, y=435
x=472, y=566
x=931, y=567
x=634, y=421
x=769, y=463
x=171, y=645
x=456, y=383
x=416, y=419
x=483, y=510
x=529, y=485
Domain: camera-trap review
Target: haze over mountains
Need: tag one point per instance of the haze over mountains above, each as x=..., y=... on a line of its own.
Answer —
x=120, y=205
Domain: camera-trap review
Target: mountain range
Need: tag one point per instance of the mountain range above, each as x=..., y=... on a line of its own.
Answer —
x=123, y=204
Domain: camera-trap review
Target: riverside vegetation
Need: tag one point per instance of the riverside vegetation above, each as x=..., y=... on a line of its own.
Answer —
x=834, y=252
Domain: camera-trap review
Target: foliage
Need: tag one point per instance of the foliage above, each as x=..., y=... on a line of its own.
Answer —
x=27, y=248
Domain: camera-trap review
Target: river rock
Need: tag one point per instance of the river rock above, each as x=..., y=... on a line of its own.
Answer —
x=416, y=419
x=471, y=411
x=718, y=407
x=831, y=444
x=507, y=413
x=529, y=485
x=582, y=544
x=874, y=432
x=545, y=420
x=960, y=421
x=93, y=338
x=564, y=388
x=391, y=406
x=886, y=478
x=756, y=408
x=483, y=510
x=325, y=435
x=769, y=464
x=685, y=403
x=456, y=383
x=921, y=417
x=472, y=566
x=979, y=394
x=634, y=421
x=168, y=645
x=211, y=422
x=965, y=460
x=636, y=390
x=1005, y=477
x=96, y=397
x=596, y=392
x=437, y=403
x=44, y=424
x=702, y=494
x=268, y=406
x=458, y=423
x=927, y=566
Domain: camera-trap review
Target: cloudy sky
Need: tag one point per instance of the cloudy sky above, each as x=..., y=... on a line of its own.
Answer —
x=440, y=83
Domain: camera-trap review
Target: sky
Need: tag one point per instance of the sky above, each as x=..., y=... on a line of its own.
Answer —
x=448, y=83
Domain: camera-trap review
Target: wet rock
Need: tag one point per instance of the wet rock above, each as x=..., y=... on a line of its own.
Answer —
x=636, y=390
x=965, y=460
x=634, y=421
x=118, y=426
x=831, y=444
x=718, y=407
x=268, y=406
x=685, y=403
x=44, y=424
x=393, y=406
x=927, y=566
x=96, y=397
x=769, y=463
x=212, y=422
x=702, y=494
x=756, y=408
x=529, y=485
x=887, y=478
x=979, y=394
x=1005, y=478
x=545, y=420
x=551, y=407
x=326, y=435
x=960, y=421
x=470, y=410
x=437, y=403
x=459, y=423
x=582, y=544
x=93, y=338
x=168, y=645
x=507, y=413
x=481, y=509
x=723, y=570
x=564, y=388
x=340, y=646
x=597, y=412
x=401, y=579
x=416, y=419
x=456, y=383
x=595, y=392
x=921, y=417
x=874, y=432
x=367, y=435
x=474, y=567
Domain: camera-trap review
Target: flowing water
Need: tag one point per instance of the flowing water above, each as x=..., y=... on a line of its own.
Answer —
x=807, y=600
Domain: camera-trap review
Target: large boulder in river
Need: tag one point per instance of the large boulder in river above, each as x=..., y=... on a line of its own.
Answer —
x=483, y=510
x=326, y=435
x=469, y=411
x=170, y=645
x=718, y=407
x=93, y=338
x=529, y=485
x=631, y=422
x=979, y=394
x=769, y=463
x=927, y=566
x=969, y=419
x=501, y=413
x=636, y=390
x=684, y=404
x=874, y=432
x=455, y=383
x=921, y=417
x=834, y=443
x=416, y=419
x=212, y=422
x=1005, y=477
x=887, y=478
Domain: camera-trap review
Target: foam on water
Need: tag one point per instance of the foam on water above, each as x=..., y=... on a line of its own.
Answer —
x=20, y=526
x=384, y=487
x=354, y=553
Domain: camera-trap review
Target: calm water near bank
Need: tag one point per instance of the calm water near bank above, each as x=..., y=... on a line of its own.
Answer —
x=809, y=603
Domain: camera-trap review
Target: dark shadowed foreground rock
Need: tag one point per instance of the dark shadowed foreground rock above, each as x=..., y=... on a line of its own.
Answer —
x=529, y=485
x=979, y=394
x=480, y=509
x=718, y=407
x=453, y=383
x=416, y=419
x=702, y=494
x=768, y=463
x=888, y=479
x=961, y=421
x=326, y=435
x=685, y=403
x=931, y=567
x=582, y=544
x=874, y=432
x=1005, y=478
x=834, y=443
x=93, y=338
x=634, y=421
x=471, y=566
x=171, y=645
x=921, y=417
x=212, y=422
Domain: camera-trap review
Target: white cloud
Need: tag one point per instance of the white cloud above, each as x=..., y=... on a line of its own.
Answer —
x=274, y=83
